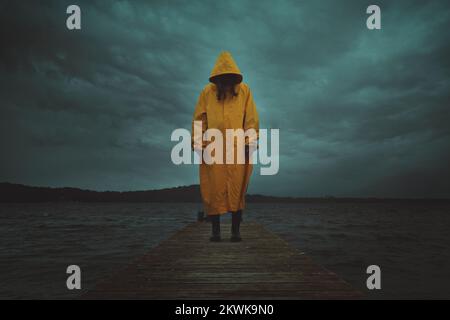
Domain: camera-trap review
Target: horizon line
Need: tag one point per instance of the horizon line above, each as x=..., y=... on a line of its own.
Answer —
x=250, y=194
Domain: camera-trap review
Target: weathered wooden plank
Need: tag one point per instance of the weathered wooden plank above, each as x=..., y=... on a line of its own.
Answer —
x=188, y=266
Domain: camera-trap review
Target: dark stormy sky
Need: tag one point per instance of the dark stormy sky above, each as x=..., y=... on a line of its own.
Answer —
x=360, y=112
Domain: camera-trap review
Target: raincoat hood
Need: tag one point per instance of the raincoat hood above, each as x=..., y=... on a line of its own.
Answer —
x=225, y=64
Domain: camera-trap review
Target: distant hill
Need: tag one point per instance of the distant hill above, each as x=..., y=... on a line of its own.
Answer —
x=10, y=192
x=21, y=193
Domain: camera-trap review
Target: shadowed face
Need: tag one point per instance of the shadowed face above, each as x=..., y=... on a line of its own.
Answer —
x=226, y=80
x=225, y=84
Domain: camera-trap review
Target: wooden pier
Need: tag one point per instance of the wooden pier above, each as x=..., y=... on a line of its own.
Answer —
x=188, y=266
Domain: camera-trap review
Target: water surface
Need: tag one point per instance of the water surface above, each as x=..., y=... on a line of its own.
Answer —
x=411, y=243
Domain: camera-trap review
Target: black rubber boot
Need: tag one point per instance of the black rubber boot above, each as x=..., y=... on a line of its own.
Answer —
x=236, y=218
x=215, y=223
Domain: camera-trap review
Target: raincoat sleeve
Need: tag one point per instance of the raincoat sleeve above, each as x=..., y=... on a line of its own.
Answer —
x=251, y=120
x=199, y=123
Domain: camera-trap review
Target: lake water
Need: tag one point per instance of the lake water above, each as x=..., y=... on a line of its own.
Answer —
x=411, y=243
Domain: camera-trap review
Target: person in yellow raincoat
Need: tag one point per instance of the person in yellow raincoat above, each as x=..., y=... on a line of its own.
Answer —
x=225, y=103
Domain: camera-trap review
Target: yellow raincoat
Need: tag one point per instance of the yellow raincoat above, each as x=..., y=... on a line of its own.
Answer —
x=223, y=186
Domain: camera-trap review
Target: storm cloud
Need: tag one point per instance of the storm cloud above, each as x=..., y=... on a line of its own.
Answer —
x=361, y=112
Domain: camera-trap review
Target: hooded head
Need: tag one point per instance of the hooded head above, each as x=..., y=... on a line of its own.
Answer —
x=226, y=76
x=225, y=65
